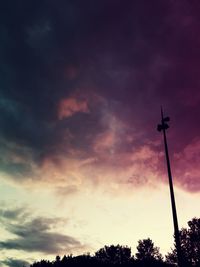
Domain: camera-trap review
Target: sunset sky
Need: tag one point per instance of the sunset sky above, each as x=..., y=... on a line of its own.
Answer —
x=81, y=84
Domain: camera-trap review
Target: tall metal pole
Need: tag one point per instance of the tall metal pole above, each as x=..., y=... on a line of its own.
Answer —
x=163, y=127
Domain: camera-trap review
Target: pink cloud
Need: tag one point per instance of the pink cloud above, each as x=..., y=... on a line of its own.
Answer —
x=70, y=106
x=115, y=134
x=186, y=167
x=105, y=142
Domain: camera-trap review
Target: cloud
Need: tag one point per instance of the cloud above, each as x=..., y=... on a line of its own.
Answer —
x=186, y=167
x=124, y=69
x=65, y=191
x=13, y=214
x=49, y=243
x=70, y=106
x=110, y=138
x=11, y=262
x=38, y=234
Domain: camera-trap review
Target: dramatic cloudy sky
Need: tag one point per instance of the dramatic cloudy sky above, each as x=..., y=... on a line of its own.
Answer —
x=81, y=85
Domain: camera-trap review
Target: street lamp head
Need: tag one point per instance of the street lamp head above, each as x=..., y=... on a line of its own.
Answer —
x=166, y=119
x=163, y=126
x=159, y=127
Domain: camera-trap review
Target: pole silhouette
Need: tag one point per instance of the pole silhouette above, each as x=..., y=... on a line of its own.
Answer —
x=163, y=127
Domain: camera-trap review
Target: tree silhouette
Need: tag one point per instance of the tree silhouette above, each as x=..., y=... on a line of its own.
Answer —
x=147, y=254
x=190, y=244
x=114, y=254
x=42, y=263
x=147, y=251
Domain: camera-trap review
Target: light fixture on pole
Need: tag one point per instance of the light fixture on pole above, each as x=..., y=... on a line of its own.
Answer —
x=163, y=127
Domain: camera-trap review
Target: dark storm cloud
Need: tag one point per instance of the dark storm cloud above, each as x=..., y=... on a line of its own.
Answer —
x=11, y=262
x=13, y=214
x=49, y=243
x=78, y=32
x=35, y=234
x=133, y=55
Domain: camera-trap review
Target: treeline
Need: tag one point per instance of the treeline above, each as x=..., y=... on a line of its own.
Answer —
x=147, y=255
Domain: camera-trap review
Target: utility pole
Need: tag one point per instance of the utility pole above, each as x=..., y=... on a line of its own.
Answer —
x=163, y=127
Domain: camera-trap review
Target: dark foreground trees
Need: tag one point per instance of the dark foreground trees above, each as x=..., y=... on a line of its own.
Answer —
x=147, y=251
x=190, y=244
x=147, y=254
x=109, y=256
x=114, y=254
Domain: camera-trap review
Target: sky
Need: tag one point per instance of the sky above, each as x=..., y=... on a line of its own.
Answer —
x=81, y=85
